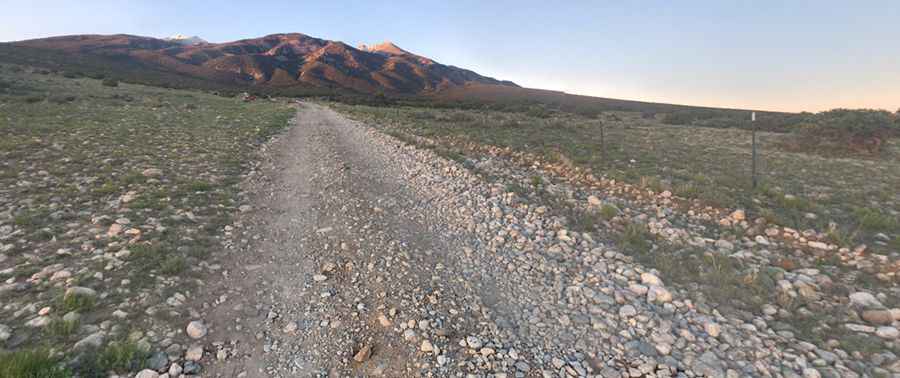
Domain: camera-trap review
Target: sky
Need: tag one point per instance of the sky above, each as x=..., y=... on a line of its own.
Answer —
x=768, y=55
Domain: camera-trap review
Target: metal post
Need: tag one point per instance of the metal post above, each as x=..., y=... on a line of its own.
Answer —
x=603, y=144
x=753, y=133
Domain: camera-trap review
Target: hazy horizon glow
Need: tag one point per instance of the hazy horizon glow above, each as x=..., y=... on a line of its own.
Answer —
x=805, y=55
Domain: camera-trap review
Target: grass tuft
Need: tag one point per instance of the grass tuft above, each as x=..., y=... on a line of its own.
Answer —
x=36, y=363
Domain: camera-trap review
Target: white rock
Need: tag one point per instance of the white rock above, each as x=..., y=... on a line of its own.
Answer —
x=594, y=201
x=474, y=342
x=887, y=332
x=152, y=172
x=811, y=373
x=724, y=244
x=859, y=328
x=5, y=332
x=194, y=353
x=638, y=289
x=147, y=373
x=712, y=328
x=196, y=329
x=659, y=294
x=175, y=370
x=38, y=322
x=864, y=300
x=627, y=311
x=650, y=279
x=818, y=245
x=93, y=341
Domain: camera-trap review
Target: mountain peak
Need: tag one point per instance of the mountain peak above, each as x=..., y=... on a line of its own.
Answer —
x=187, y=40
x=385, y=48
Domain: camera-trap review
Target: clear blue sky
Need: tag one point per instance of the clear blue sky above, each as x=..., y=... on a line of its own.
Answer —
x=779, y=55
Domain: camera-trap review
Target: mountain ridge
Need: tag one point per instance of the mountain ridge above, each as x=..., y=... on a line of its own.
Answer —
x=275, y=60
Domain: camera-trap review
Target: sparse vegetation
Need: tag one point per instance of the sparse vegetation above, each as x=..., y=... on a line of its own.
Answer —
x=33, y=363
x=709, y=164
x=117, y=356
x=75, y=166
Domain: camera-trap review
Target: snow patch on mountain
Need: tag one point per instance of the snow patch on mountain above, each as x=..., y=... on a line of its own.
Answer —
x=187, y=40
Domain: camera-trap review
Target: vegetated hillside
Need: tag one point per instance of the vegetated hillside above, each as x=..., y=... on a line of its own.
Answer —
x=537, y=100
x=274, y=61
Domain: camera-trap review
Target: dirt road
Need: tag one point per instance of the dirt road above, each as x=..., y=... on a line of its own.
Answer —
x=362, y=256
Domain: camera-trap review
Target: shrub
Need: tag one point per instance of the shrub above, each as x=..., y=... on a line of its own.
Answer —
x=677, y=118
x=110, y=82
x=608, y=211
x=862, y=129
x=61, y=99
x=874, y=220
x=118, y=356
x=34, y=99
x=588, y=111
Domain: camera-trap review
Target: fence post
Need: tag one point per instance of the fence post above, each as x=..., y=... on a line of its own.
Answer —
x=753, y=133
x=603, y=143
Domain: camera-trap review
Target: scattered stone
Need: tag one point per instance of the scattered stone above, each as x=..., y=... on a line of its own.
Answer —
x=194, y=353
x=175, y=370
x=94, y=340
x=862, y=299
x=384, y=321
x=659, y=294
x=878, y=316
x=191, y=368
x=147, y=373
x=196, y=329
x=290, y=327
x=363, y=354
x=887, y=333
x=650, y=279
x=5, y=332
x=474, y=342
x=158, y=361
x=152, y=172
x=627, y=311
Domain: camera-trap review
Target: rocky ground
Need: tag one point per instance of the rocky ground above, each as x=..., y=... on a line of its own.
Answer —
x=361, y=255
x=338, y=250
x=112, y=199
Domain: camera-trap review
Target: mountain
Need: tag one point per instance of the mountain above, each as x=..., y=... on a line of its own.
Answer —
x=278, y=60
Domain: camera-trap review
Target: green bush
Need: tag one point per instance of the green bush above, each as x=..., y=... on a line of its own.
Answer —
x=860, y=129
x=61, y=99
x=678, y=118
